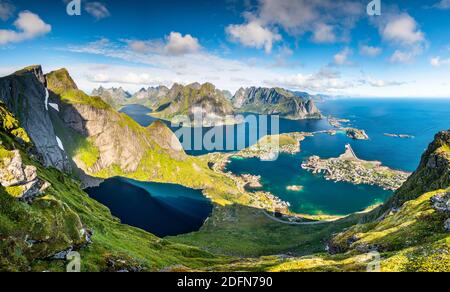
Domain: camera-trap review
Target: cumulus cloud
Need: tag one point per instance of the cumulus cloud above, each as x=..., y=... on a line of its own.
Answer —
x=327, y=21
x=324, y=33
x=253, y=34
x=175, y=44
x=97, y=10
x=370, y=51
x=341, y=58
x=402, y=31
x=28, y=26
x=6, y=10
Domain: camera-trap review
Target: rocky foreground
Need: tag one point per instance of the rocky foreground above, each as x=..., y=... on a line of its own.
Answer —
x=349, y=168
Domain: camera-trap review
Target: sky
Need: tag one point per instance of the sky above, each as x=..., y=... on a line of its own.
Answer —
x=329, y=47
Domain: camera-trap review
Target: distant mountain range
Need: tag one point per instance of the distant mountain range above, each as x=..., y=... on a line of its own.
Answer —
x=213, y=104
x=276, y=101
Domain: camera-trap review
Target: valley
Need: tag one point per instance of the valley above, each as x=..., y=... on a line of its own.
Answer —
x=238, y=235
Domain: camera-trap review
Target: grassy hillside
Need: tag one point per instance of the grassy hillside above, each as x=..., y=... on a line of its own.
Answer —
x=30, y=233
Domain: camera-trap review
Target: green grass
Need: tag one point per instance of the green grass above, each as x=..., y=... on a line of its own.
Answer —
x=446, y=148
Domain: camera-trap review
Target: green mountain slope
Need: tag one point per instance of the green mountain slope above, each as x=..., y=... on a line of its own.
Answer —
x=64, y=218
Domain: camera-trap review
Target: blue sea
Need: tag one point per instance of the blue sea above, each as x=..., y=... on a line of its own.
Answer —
x=420, y=118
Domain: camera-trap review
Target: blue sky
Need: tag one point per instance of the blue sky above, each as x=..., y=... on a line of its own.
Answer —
x=320, y=46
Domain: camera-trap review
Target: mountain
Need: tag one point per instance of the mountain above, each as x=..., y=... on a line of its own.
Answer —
x=44, y=213
x=203, y=101
x=99, y=138
x=149, y=97
x=271, y=101
x=24, y=93
x=44, y=216
x=113, y=96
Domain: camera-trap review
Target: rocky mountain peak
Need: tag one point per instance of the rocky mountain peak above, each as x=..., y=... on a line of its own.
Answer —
x=60, y=81
x=432, y=174
x=24, y=93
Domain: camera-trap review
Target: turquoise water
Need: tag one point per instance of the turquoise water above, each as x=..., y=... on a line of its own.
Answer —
x=422, y=118
x=161, y=209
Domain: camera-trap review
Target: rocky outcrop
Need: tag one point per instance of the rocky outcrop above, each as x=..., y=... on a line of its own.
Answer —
x=275, y=101
x=432, y=174
x=24, y=93
x=441, y=203
x=356, y=134
x=22, y=178
x=118, y=140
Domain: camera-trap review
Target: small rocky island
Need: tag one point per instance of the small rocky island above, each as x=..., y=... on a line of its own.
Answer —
x=353, y=133
x=356, y=134
x=401, y=136
x=349, y=168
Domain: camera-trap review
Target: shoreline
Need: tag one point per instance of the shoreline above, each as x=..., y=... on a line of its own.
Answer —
x=349, y=168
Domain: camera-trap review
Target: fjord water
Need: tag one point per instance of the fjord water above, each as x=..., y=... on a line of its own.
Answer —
x=161, y=209
x=421, y=118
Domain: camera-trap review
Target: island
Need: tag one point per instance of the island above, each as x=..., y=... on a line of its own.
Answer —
x=401, y=136
x=295, y=188
x=268, y=147
x=337, y=123
x=349, y=168
x=356, y=134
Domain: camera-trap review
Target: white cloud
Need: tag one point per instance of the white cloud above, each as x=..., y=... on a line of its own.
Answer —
x=324, y=33
x=327, y=21
x=28, y=25
x=402, y=32
x=380, y=83
x=402, y=29
x=253, y=34
x=401, y=56
x=370, y=51
x=177, y=44
x=97, y=10
x=324, y=81
x=437, y=62
x=6, y=10
x=443, y=4
x=341, y=58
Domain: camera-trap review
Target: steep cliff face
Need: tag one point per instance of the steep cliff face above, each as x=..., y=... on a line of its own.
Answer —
x=113, y=139
x=195, y=100
x=275, y=101
x=24, y=93
x=411, y=231
x=432, y=174
x=38, y=232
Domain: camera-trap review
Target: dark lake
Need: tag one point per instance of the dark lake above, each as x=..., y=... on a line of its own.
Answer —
x=161, y=209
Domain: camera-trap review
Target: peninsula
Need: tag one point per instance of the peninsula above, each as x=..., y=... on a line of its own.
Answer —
x=349, y=168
